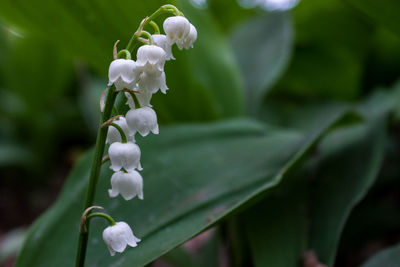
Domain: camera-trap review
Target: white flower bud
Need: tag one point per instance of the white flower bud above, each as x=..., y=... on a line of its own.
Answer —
x=124, y=155
x=176, y=28
x=123, y=73
x=113, y=134
x=190, y=38
x=118, y=236
x=162, y=41
x=151, y=59
x=142, y=120
x=128, y=185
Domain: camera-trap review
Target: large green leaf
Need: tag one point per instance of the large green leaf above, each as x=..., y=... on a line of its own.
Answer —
x=204, y=82
x=194, y=176
x=350, y=159
x=262, y=46
x=389, y=257
x=277, y=226
x=384, y=12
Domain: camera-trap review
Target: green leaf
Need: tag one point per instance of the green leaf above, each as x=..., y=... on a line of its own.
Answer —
x=193, y=177
x=228, y=13
x=389, y=257
x=384, y=12
x=351, y=159
x=203, y=250
x=331, y=44
x=262, y=46
x=299, y=215
x=277, y=226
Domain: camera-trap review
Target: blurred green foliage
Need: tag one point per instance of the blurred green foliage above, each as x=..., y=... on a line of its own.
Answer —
x=277, y=124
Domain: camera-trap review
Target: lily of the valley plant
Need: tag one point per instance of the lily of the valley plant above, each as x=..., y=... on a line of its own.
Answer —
x=136, y=80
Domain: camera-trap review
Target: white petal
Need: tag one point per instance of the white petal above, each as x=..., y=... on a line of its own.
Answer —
x=118, y=236
x=140, y=167
x=127, y=184
x=120, y=84
x=176, y=28
x=151, y=54
x=113, y=192
x=142, y=120
x=130, y=238
x=152, y=83
x=190, y=38
x=123, y=73
x=144, y=98
x=125, y=156
x=161, y=40
x=155, y=130
x=114, y=239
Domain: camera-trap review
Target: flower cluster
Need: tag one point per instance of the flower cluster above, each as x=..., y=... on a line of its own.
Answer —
x=139, y=80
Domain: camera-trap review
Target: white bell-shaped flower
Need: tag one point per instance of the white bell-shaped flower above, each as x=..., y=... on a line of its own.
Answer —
x=150, y=84
x=151, y=59
x=123, y=73
x=142, y=120
x=118, y=236
x=113, y=134
x=190, y=38
x=161, y=40
x=124, y=155
x=128, y=184
x=176, y=28
x=144, y=97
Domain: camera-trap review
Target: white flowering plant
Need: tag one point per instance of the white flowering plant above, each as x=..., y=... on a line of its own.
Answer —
x=137, y=81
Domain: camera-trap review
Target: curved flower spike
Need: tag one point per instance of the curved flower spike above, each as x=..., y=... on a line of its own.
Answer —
x=128, y=185
x=142, y=120
x=123, y=73
x=190, y=38
x=151, y=59
x=118, y=236
x=114, y=136
x=176, y=29
x=161, y=40
x=124, y=155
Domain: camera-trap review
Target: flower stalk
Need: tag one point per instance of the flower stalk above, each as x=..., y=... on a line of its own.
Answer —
x=94, y=172
x=138, y=81
x=162, y=10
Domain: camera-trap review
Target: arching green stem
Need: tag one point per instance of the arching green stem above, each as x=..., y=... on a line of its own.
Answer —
x=121, y=132
x=110, y=220
x=162, y=10
x=148, y=35
x=125, y=54
x=155, y=27
x=135, y=100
